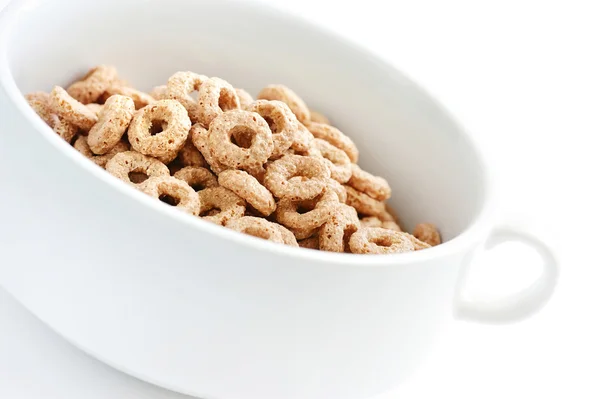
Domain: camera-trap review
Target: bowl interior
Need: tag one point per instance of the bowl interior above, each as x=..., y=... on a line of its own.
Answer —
x=401, y=133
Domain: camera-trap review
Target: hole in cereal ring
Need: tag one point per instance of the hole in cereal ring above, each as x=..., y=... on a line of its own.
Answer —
x=194, y=95
x=383, y=241
x=226, y=100
x=242, y=136
x=303, y=209
x=156, y=127
x=212, y=212
x=272, y=125
x=170, y=200
x=198, y=187
x=256, y=232
x=137, y=177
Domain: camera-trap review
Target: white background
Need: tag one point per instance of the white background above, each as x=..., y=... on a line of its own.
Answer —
x=524, y=77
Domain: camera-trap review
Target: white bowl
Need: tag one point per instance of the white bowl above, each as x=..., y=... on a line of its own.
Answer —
x=200, y=309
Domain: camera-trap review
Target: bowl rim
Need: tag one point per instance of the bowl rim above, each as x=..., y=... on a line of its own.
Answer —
x=474, y=232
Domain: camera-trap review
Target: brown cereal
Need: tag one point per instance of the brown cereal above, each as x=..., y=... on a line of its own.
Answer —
x=113, y=120
x=334, y=137
x=159, y=92
x=307, y=214
x=95, y=108
x=304, y=233
x=71, y=110
x=244, y=97
x=375, y=240
x=364, y=204
x=199, y=137
x=427, y=232
x=250, y=189
x=170, y=118
x=189, y=155
x=215, y=96
x=81, y=145
x=334, y=235
x=309, y=243
x=281, y=120
x=91, y=87
x=226, y=204
x=197, y=177
x=418, y=244
x=336, y=159
x=337, y=188
x=174, y=192
x=180, y=86
x=40, y=102
x=256, y=227
x=285, y=94
x=374, y=186
x=140, y=99
x=318, y=117
x=296, y=177
x=287, y=236
x=370, y=221
x=226, y=152
x=123, y=164
x=303, y=138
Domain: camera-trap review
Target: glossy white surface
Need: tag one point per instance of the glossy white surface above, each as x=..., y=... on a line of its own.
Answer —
x=530, y=343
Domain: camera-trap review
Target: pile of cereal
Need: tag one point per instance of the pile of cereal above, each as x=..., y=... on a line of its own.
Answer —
x=268, y=167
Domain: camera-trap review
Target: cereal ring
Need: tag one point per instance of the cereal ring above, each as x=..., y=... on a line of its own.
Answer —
x=309, y=243
x=197, y=177
x=173, y=123
x=287, y=236
x=159, y=92
x=244, y=97
x=428, y=233
x=228, y=153
x=370, y=221
x=337, y=188
x=285, y=94
x=200, y=140
x=174, y=192
x=334, y=235
x=308, y=214
x=226, y=204
x=296, y=177
x=418, y=244
x=303, y=234
x=95, y=108
x=82, y=146
x=40, y=102
x=302, y=142
x=336, y=159
x=334, y=137
x=256, y=227
x=364, y=204
x=374, y=186
x=125, y=164
x=281, y=120
x=215, y=96
x=250, y=189
x=375, y=240
x=140, y=99
x=189, y=155
x=113, y=120
x=93, y=84
x=318, y=117
x=71, y=110
x=180, y=86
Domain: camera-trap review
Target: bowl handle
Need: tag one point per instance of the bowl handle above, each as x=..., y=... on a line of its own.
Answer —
x=521, y=304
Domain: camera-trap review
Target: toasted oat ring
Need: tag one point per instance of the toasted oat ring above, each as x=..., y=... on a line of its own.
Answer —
x=336, y=159
x=428, y=233
x=197, y=177
x=302, y=234
x=309, y=243
x=281, y=120
x=418, y=244
x=334, y=137
x=40, y=102
x=370, y=221
x=178, y=191
x=314, y=213
x=303, y=138
x=215, y=96
x=287, y=236
x=337, y=188
x=175, y=125
x=140, y=99
x=180, y=86
x=334, y=235
x=229, y=154
x=124, y=163
x=318, y=117
x=244, y=97
x=82, y=146
x=257, y=227
x=199, y=137
x=376, y=240
x=374, y=186
x=189, y=155
x=228, y=205
x=296, y=177
x=159, y=92
x=91, y=87
x=364, y=204
x=71, y=110
x=95, y=108
x=285, y=94
x=113, y=120
x=250, y=189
